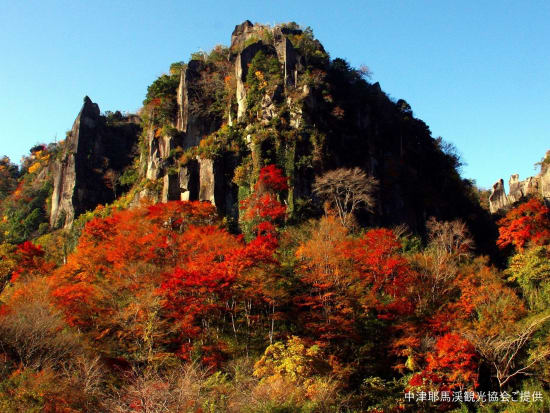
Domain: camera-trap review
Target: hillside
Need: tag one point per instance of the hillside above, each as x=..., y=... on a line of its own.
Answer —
x=272, y=97
x=270, y=233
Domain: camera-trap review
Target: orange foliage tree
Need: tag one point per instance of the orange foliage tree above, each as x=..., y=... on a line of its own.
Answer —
x=30, y=262
x=261, y=291
x=481, y=311
x=348, y=281
x=262, y=210
x=168, y=279
x=529, y=223
x=453, y=364
x=108, y=288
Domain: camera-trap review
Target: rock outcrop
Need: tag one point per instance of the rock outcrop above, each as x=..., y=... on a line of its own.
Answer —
x=211, y=127
x=498, y=198
x=288, y=56
x=192, y=126
x=93, y=156
x=241, y=70
x=211, y=179
x=318, y=115
x=538, y=185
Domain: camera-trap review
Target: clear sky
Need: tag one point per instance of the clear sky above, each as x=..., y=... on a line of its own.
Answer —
x=477, y=72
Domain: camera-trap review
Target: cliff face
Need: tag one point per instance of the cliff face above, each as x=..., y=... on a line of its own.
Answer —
x=93, y=157
x=200, y=178
x=284, y=101
x=272, y=97
x=534, y=185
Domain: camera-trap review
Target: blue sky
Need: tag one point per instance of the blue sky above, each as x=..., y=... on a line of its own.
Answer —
x=478, y=73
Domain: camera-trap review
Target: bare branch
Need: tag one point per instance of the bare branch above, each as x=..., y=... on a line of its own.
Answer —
x=502, y=351
x=346, y=190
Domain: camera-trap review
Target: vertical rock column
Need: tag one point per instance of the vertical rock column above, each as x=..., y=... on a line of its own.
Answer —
x=241, y=70
x=66, y=191
x=498, y=199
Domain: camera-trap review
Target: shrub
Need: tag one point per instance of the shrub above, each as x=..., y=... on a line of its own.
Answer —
x=32, y=332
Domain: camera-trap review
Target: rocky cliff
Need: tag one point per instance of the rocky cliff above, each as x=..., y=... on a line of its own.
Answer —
x=284, y=101
x=94, y=155
x=273, y=96
x=538, y=185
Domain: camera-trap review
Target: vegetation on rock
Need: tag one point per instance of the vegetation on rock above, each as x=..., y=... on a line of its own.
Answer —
x=249, y=296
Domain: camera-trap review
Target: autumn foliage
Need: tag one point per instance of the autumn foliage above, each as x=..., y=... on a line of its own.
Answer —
x=165, y=279
x=263, y=210
x=529, y=223
x=127, y=270
x=30, y=261
x=166, y=304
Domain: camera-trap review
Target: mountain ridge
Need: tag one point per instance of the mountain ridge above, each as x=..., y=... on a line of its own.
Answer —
x=273, y=97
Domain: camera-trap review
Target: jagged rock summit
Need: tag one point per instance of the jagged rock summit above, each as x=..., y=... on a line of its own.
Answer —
x=533, y=185
x=94, y=153
x=273, y=97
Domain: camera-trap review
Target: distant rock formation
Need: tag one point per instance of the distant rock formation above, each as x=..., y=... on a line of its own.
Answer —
x=534, y=185
x=93, y=156
x=498, y=198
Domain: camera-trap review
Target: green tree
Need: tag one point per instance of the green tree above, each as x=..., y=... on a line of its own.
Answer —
x=531, y=270
x=8, y=177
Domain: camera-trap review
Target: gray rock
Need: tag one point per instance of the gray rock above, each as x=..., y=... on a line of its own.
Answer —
x=498, y=198
x=515, y=186
x=84, y=176
x=544, y=183
x=65, y=170
x=241, y=70
x=207, y=180
x=170, y=188
x=288, y=56
x=534, y=185
x=216, y=186
x=189, y=181
x=240, y=33
x=154, y=156
x=187, y=122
